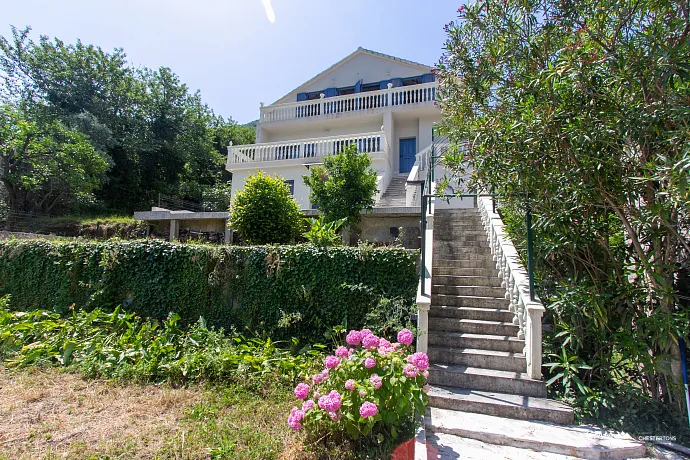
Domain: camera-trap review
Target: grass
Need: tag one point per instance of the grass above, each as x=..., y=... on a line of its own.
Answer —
x=45, y=413
x=89, y=220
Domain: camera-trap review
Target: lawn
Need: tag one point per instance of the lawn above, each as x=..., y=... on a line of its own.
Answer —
x=46, y=413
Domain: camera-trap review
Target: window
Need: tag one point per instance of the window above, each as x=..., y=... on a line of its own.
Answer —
x=412, y=81
x=371, y=87
x=314, y=95
x=291, y=184
x=346, y=91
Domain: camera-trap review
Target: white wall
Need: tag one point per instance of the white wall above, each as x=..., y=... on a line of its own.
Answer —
x=362, y=66
x=350, y=126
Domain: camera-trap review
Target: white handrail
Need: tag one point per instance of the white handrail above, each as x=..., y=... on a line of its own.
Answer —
x=402, y=95
x=306, y=148
x=527, y=312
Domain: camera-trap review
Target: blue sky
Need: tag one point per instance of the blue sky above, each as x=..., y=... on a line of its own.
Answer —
x=230, y=50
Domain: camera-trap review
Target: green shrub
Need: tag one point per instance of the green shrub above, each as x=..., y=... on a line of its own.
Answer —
x=344, y=186
x=284, y=291
x=120, y=345
x=323, y=233
x=264, y=211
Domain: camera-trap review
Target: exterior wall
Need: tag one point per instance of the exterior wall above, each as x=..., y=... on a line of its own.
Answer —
x=376, y=229
x=352, y=125
x=366, y=67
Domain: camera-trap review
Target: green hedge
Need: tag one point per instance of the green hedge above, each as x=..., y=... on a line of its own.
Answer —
x=284, y=291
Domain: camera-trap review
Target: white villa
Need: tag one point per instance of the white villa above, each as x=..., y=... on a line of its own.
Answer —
x=385, y=105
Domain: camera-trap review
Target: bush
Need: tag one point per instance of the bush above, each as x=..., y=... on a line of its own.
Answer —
x=344, y=186
x=265, y=212
x=373, y=390
x=122, y=346
x=285, y=291
x=323, y=233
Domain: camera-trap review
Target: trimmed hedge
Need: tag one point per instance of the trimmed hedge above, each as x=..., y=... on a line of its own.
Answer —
x=301, y=291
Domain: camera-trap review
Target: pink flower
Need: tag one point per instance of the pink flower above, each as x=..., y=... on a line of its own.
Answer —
x=354, y=338
x=335, y=416
x=370, y=341
x=350, y=351
x=350, y=384
x=331, y=361
x=368, y=409
x=376, y=381
x=318, y=378
x=405, y=337
x=369, y=363
x=362, y=393
x=384, y=343
x=420, y=360
x=410, y=370
x=425, y=374
x=294, y=419
x=342, y=352
x=365, y=332
x=330, y=402
x=308, y=404
x=302, y=391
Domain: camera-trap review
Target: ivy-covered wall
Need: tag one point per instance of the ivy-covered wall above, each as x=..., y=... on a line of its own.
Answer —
x=284, y=291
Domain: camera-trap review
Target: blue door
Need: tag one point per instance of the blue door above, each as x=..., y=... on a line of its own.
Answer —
x=408, y=151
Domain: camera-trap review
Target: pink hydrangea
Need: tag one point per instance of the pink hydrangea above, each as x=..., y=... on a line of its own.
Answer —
x=294, y=419
x=368, y=409
x=350, y=351
x=331, y=361
x=335, y=416
x=342, y=352
x=370, y=341
x=308, y=404
x=376, y=381
x=405, y=337
x=410, y=370
x=350, y=384
x=425, y=374
x=420, y=360
x=369, y=363
x=320, y=377
x=330, y=402
x=384, y=343
x=365, y=332
x=354, y=338
x=362, y=393
x=302, y=391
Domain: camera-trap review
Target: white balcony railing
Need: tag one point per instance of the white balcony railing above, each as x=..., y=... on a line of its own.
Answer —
x=306, y=148
x=391, y=97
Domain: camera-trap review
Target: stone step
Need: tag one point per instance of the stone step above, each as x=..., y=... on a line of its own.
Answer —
x=469, y=301
x=579, y=441
x=466, y=280
x=488, y=314
x=460, y=239
x=480, y=291
x=500, y=404
x=476, y=378
x=473, y=326
x=447, y=243
x=485, y=359
x=484, y=262
x=468, y=271
x=453, y=251
x=483, y=341
x=448, y=446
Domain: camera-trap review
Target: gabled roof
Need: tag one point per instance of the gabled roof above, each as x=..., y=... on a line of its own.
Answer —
x=357, y=52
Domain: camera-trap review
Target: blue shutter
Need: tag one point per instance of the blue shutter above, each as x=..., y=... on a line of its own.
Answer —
x=397, y=82
x=330, y=92
x=358, y=87
x=384, y=84
x=301, y=97
x=428, y=78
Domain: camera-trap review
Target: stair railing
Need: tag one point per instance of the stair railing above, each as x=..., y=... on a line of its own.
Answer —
x=524, y=304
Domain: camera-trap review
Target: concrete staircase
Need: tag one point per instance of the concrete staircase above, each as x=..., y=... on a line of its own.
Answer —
x=479, y=389
x=394, y=196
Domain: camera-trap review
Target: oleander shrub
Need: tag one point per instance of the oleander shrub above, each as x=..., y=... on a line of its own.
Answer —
x=372, y=389
x=281, y=291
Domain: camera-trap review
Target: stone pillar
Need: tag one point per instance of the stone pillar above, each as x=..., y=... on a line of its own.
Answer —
x=174, y=229
x=228, y=235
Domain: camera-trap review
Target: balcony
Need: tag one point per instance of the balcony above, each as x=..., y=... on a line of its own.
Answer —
x=400, y=97
x=302, y=151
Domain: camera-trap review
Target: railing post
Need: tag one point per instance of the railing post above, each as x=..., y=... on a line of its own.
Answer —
x=423, y=245
x=530, y=252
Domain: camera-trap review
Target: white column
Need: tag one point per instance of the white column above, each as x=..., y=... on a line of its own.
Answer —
x=174, y=229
